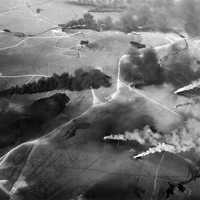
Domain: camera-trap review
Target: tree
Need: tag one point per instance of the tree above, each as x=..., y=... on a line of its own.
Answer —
x=89, y=21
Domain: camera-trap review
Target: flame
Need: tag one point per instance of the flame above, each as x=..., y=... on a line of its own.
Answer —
x=161, y=147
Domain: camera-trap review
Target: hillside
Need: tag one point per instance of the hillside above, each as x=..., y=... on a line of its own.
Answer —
x=95, y=114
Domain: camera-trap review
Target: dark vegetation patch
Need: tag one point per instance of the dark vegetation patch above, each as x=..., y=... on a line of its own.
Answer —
x=20, y=126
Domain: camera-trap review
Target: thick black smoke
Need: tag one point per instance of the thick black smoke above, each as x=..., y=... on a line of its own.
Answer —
x=142, y=71
x=82, y=80
x=146, y=70
x=179, y=71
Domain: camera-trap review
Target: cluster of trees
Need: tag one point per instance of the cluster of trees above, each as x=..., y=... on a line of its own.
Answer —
x=86, y=22
x=153, y=15
x=82, y=80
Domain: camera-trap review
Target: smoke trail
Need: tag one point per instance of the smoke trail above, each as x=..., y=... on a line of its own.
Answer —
x=82, y=80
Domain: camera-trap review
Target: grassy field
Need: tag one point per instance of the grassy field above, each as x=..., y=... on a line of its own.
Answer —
x=26, y=19
x=58, y=55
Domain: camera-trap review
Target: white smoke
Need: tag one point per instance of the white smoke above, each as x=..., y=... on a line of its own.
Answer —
x=177, y=141
x=161, y=147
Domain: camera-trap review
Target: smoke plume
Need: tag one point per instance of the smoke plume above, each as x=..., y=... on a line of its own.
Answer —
x=82, y=80
x=143, y=69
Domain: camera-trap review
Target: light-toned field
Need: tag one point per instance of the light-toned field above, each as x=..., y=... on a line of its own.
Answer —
x=21, y=15
x=57, y=55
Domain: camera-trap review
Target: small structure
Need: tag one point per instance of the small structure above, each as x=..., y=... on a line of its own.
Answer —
x=84, y=42
x=191, y=90
x=19, y=34
x=137, y=45
x=7, y=30
x=38, y=10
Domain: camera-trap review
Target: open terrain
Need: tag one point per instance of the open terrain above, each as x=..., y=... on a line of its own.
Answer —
x=62, y=164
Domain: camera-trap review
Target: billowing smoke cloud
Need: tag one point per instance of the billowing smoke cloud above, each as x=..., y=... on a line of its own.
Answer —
x=177, y=141
x=177, y=71
x=182, y=135
x=143, y=69
x=152, y=120
x=180, y=71
x=82, y=80
x=175, y=132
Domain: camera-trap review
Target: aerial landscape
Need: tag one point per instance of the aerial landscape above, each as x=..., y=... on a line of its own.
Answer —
x=99, y=99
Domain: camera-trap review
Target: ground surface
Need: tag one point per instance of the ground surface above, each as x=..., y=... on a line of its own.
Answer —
x=57, y=167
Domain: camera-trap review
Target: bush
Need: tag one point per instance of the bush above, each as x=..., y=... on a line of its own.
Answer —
x=87, y=22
